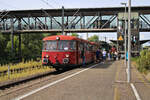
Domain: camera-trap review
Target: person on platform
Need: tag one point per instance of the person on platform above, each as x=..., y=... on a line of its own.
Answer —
x=108, y=54
x=104, y=55
x=98, y=55
x=83, y=56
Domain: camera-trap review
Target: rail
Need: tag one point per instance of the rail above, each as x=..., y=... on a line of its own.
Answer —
x=16, y=76
x=19, y=70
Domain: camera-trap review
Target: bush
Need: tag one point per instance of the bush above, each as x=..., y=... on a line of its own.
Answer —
x=144, y=61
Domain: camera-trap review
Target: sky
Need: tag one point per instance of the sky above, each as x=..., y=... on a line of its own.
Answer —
x=52, y=4
x=37, y=4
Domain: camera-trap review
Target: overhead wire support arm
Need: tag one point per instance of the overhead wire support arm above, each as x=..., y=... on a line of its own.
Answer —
x=63, y=21
x=78, y=20
x=51, y=17
x=110, y=20
x=146, y=18
x=93, y=23
x=145, y=21
x=72, y=20
x=4, y=15
x=47, y=3
x=73, y=16
x=90, y=20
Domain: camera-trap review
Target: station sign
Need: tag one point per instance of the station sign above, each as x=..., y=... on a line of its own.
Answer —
x=122, y=16
x=120, y=38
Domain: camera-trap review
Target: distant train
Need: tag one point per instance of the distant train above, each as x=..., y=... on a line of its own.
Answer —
x=62, y=51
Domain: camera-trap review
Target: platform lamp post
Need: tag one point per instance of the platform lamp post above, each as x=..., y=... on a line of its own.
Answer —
x=125, y=34
x=129, y=41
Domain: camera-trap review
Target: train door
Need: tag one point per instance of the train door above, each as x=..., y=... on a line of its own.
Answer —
x=77, y=52
x=80, y=52
x=83, y=53
x=79, y=62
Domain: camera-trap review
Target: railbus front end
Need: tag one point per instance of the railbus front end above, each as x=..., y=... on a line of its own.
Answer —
x=59, y=53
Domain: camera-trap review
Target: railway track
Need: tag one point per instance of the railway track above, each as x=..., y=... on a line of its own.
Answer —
x=28, y=82
x=5, y=88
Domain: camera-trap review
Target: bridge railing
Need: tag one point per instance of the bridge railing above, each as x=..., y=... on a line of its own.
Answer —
x=78, y=21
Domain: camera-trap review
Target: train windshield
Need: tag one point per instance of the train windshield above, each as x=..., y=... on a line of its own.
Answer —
x=66, y=45
x=63, y=45
x=50, y=45
x=59, y=45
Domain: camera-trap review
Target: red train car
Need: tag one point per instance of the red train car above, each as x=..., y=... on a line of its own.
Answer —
x=62, y=51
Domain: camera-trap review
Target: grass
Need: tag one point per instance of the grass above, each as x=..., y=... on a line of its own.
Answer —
x=20, y=65
x=142, y=70
x=134, y=61
x=24, y=73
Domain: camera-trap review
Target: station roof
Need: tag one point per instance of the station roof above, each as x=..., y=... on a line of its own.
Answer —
x=71, y=11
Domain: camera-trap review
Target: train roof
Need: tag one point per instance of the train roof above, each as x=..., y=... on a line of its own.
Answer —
x=61, y=37
x=64, y=37
x=94, y=43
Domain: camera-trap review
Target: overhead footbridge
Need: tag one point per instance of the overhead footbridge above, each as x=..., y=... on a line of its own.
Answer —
x=69, y=20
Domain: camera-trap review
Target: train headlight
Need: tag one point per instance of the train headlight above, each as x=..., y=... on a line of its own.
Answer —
x=66, y=60
x=67, y=55
x=66, y=48
x=57, y=38
x=45, y=60
x=47, y=56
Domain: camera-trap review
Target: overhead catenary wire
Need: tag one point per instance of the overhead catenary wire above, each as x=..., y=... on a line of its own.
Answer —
x=6, y=11
x=46, y=2
x=8, y=5
x=49, y=16
x=4, y=14
x=56, y=3
x=63, y=3
x=73, y=16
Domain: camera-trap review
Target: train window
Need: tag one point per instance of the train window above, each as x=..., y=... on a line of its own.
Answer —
x=90, y=48
x=63, y=45
x=49, y=45
x=44, y=45
x=85, y=46
x=72, y=45
x=81, y=46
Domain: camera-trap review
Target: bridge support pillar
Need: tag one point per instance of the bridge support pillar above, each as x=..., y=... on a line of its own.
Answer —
x=20, y=57
x=19, y=50
x=84, y=22
x=12, y=38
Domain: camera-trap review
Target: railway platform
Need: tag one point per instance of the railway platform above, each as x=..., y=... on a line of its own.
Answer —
x=97, y=82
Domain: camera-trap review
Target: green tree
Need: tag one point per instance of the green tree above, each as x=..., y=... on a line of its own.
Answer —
x=31, y=45
x=3, y=43
x=94, y=38
x=75, y=34
x=12, y=56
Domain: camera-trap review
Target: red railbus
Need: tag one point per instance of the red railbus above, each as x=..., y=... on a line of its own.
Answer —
x=62, y=51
